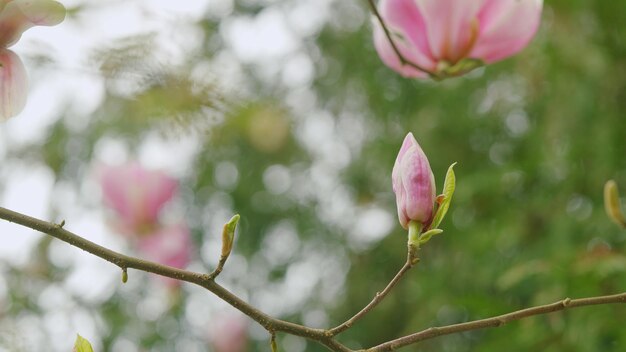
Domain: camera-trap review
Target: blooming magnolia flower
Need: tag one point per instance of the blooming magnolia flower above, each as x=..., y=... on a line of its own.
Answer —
x=452, y=37
x=413, y=183
x=136, y=195
x=16, y=16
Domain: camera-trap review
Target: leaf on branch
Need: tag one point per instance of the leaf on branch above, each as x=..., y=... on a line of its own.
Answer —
x=82, y=345
x=449, y=186
x=425, y=237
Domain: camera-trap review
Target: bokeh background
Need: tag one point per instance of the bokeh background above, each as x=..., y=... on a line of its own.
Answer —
x=280, y=110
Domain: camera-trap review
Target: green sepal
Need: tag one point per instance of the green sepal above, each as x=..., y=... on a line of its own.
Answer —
x=415, y=228
x=425, y=237
x=446, y=70
x=82, y=345
x=448, y=190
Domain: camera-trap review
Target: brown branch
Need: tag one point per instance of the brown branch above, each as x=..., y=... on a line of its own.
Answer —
x=411, y=260
x=496, y=321
x=396, y=50
x=125, y=262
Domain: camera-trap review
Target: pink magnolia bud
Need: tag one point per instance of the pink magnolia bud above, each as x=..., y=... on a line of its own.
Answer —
x=16, y=16
x=438, y=35
x=136, y=195
x=413, y=183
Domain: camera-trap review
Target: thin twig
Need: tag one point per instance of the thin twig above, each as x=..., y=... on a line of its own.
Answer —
x=411, y=260
x=126, y=262
x=403, y=60
x=496, y=321
x=219, y=268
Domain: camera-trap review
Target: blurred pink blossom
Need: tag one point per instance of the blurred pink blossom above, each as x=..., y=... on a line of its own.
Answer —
x=169, y=245
x=451, y=37
x=413, y=183
x=136, y=195
x=229, y=333
x=16, y=16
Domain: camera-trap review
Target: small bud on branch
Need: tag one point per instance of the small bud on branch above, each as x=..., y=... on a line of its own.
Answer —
x=228, y=235
x=612, y=204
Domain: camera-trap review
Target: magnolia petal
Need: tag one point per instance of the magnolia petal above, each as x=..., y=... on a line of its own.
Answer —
x=229, y=333
x=13, y=85
x=407, y=27
x=506, y=27
x=136, y=195
x=19, y=15
x=391, y=59
x=418, y=184
x=169, y=245
x=449, y=26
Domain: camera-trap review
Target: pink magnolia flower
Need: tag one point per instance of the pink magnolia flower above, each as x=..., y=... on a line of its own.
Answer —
x=169, y=245
x=413, y=183
x=451, y=37
x=136, y=195
x=16, y=16
x=229, y=333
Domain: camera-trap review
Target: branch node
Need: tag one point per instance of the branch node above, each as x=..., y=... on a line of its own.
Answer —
x=61, y=224
x=566, y=302
x=434, y=331
x=500, y=322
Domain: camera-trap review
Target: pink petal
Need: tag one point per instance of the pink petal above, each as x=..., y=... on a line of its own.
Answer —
x=20, y=15
x=418, y=181
x=13, y=85
x=408, y=142
x=449, y=26
x=170, y=245
x=229, y=333
x=136, y=195
x=506, y=27
x=160, y=188
x=402, y=17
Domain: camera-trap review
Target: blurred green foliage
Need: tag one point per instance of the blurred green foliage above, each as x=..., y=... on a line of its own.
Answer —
x=535, y=138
